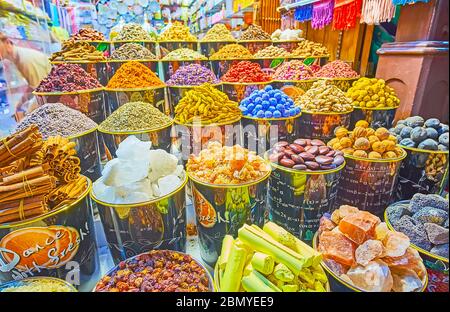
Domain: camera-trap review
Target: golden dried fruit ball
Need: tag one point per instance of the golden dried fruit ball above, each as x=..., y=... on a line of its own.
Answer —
x=336, y=146
x=345, y=142
x=378, y=147
x=398, y=151
x=372, y=139
x=362, y=144
x=348, y=151
x=370, y=132
x=340, y=132
x=360, y=153
x=359, y=132
x=382, y=133
x=388, y=145
x=332, y=142
x=362, y=123
x=389, y=155
x=375, y=155
x=392, y=138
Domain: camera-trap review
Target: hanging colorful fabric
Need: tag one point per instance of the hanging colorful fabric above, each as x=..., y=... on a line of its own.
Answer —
x=345, y=14
x=377, y=11
x=404, y=2
x=303, y=13
x=322, y=14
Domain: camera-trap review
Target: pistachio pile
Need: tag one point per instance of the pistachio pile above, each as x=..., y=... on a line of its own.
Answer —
x=324, y=97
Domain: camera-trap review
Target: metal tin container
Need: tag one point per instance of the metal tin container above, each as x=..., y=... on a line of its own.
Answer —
x=422, y=171
x=218, y=274
x=157, y=96
x=255, y=45
x=260, y=134
x=44, y=279
x=305, y=84
x=208, y=48
x=368, y=184
x=60, y=243
x=376, y=117
x=98, y=69
x=131, y=229
x=320, y=125
x=114, y=65
x=165, y=47
x=192, y=138
x=337, y=284
x=223, y=209
x=89, y=102
x=176, y=93
x=237, y=91
x=298, y=199
x=116, y=268
x=169, y=67
x=437, y=267
x=88, y=150
x=160, y=138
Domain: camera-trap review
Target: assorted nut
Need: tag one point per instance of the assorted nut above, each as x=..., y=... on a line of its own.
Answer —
x=219, y=32
x=324, y=97
x=255, y=32
x=272, y=51
x=306, y=154
x=372, y=93
x=365, y=142
x=308, y=48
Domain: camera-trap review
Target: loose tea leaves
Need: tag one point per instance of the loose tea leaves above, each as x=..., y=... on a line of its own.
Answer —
x=57, y=119
x=134, y=116
x=68, y=78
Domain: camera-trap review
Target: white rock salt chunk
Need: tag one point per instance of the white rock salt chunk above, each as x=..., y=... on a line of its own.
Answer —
x=168, y=184
x=125, y=172
x=133, y=149
x=161, y=164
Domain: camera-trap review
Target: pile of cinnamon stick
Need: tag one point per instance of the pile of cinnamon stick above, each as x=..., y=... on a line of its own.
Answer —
x=35, y=175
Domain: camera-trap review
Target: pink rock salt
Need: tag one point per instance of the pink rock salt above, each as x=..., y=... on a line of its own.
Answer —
x=359, y=226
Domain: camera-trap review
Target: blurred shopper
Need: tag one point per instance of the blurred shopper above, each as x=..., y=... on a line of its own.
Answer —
x=33, y=65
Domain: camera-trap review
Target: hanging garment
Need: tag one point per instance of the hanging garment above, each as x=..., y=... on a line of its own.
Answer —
x=322, y=14
x=346, y=13
x=404, y=2
x=303, y=13
x=374, y=12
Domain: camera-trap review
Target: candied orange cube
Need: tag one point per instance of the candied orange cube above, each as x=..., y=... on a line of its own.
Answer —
x=359, y=226
x=334, y=245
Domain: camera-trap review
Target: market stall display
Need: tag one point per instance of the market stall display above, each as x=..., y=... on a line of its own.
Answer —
x=227, y=182
x=340, y=73
x=157, y=271
x=55, y=119
x=268, y=260
x=44, y=202
x=303, y=184
x=140, y=119
x=324, y=108
x=141, y=200
x=424, y=219
x=425, y=169
x=133, y=82
x=374, y=102
x=360, y=253
x=132, y=51
x=373, y=163
x=72, y=86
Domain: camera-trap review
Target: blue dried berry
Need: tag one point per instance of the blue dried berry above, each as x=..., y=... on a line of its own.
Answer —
x=432, y=123
x=418, y=134
x=428, y=144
